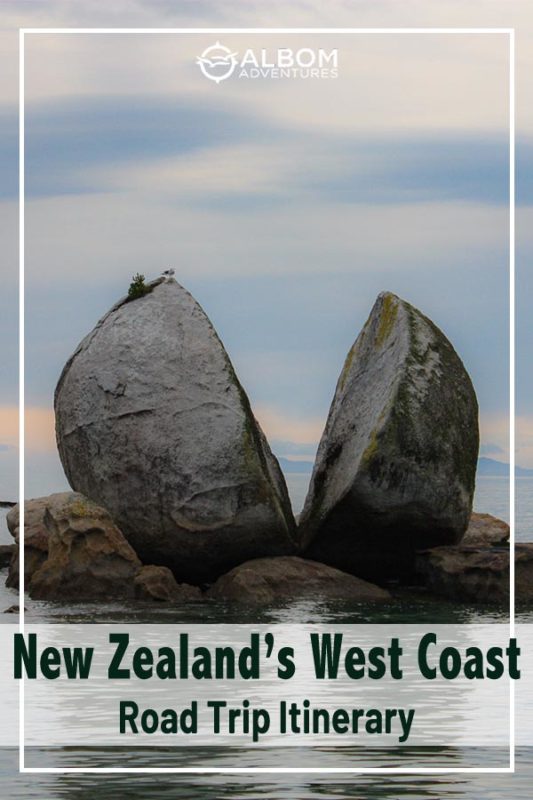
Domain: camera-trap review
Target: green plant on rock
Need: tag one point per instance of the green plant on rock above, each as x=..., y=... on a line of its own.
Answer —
x=138, y=288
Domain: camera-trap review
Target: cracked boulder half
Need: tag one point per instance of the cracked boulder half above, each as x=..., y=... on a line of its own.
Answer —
x=153, y=424
x=395, y=469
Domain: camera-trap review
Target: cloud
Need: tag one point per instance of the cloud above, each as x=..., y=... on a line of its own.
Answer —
x=94, y=237
x=67, y=141
x=428, y=71
x=39, y=428
x=278, y=425
x=524, y=440
x=377, y=170
x=383, y=80
x=495, y=429
x=178, y=147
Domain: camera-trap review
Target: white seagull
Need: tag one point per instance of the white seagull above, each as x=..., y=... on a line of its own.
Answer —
x=168, y=273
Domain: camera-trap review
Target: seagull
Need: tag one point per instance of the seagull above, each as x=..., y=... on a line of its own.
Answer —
x=168, y=273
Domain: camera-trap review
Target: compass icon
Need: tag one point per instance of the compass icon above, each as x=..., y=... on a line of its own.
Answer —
x=217, y=62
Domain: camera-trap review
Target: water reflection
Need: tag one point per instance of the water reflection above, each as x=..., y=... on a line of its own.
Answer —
x=266, y=787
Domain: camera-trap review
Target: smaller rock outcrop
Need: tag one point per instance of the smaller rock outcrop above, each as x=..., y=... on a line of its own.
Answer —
x=484, y=529
x=35, y=534
x=158, y=583
x=74, y=551
x=267, y=580
x=12, y=610
x=477, y=574
x=466, y=574
x=477, y=570
x=395, y=468
x=88, y=557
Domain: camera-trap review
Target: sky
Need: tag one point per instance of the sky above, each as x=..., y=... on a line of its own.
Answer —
x=285, y=206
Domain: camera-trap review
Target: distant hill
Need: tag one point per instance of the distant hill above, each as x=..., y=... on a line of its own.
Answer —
x=485, y=466
x=287, y=465
x=489, y=466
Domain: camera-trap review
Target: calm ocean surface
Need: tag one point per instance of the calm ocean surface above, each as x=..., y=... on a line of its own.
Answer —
x=491, y=497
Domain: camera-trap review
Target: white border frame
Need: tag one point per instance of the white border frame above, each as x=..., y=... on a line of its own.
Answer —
x=510, y=32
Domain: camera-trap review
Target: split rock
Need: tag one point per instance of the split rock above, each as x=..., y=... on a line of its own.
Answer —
x=153, y=424
x=395, y=469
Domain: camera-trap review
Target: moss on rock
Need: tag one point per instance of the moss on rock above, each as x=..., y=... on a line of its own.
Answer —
x=395, y=468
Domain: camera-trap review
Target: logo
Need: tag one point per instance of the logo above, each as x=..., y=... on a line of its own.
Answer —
x=217, y=62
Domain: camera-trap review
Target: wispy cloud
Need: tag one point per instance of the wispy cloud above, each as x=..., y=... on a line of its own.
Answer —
x=278, y=425
x=67, y=141
x=466, y=85
x=39, y=428
x=524, y=432
x=102, y=234
x=378, y=170
x=180, y=147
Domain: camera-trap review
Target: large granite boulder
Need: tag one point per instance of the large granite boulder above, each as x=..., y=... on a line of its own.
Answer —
x=270, y=580
x=153, y=424
x=395, y=468
x=88, y=558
